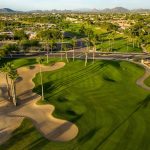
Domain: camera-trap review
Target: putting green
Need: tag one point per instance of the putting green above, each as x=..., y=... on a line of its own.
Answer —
x=103, y=100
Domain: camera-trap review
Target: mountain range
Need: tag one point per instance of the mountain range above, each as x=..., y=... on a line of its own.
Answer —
x=106, y=10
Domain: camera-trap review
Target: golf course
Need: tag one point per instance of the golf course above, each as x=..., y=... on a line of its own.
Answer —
x=102, y=100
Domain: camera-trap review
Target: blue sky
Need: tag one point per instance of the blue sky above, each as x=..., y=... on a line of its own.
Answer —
x=72, y=4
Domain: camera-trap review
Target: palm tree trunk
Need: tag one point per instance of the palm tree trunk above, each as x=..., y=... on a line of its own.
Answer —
x=67, y=57
x=51, y=49
x=86, y=56
x=127, y=47
x=47, y=47
x=14, y=93
x=47, y=57
x=133, y=44
x=109, y=45
x=101, y=45
x=11, y=88
x=61, y=49
x=73, y=53
x=8, y=87
x=93, y=55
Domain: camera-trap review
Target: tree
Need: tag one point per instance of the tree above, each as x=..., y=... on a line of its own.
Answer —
x=6, y=69
x=62, y=40
x=9, y=48
x=128, y=39
x=47, y=48
x=14, y=76
x=2, y=52
x=26, y=44
x=86, y=51
x=82, y=30
x=52, y=42
x=110, y=37
x=66, y=53
x=73, y=42
x=11, y=74
x=20, y=35
x=93, y=41
x=39, y=61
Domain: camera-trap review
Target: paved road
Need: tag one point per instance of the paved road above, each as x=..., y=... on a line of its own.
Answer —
x=80, y=53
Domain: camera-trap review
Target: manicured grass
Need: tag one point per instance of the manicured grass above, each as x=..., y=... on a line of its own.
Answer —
x=19, y=62
x=103, y=100
x=27, y=61
x=147, y=81
x=119, y=45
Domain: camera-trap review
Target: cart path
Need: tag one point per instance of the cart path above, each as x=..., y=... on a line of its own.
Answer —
x=140, y=81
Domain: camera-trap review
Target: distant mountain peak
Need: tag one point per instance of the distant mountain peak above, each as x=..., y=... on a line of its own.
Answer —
x=6, y=10
x=106, y=10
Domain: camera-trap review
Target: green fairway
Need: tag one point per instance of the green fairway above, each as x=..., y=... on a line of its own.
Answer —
x=119, y=45
x=102, y=99
x=147, y=81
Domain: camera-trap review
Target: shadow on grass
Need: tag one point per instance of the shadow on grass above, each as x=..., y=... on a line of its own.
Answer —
x=72, y=79
x=88, y=135
x=140, y=105
x=37, y=144
x=108, y=79
x=145, y=102
x=17, y=136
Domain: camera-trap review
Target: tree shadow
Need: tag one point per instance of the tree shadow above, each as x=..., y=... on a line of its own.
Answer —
x=105, y=77
x=88, y=135
x=3, y=92
x=59, y=131
x=26, y=97
x=37, y=144
x=145, y=102
x=140, y=105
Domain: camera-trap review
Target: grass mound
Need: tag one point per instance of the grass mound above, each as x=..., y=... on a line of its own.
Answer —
x=111, y=74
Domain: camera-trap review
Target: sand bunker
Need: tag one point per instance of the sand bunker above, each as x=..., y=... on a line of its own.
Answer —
x=41, y=115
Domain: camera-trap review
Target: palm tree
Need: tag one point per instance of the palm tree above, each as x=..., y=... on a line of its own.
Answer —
x=127, y=46
x=138, y=41
x=13, y=76
x=47, y=47
x=39, y=61
x=2, y=53
x=51, y=45
x=109, y=37
x=86, y=51
x=66, y=53
x=6, y=69
x=113, y=39
x=62, y=40
x=93, y=41
x=73, y=42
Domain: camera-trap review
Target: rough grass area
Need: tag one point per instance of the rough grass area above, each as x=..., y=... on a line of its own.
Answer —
x=103, y=100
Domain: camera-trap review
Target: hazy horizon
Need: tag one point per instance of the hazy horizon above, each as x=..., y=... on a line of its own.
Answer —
x=74, y=4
